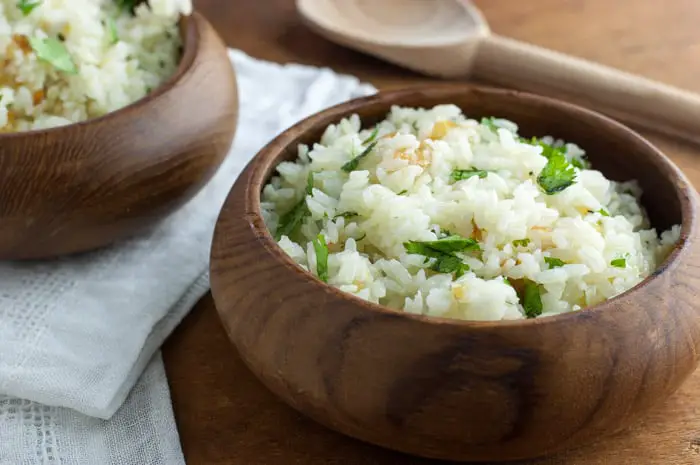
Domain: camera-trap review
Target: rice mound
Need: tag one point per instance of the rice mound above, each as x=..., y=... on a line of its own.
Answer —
x=119, y=57
x=520, y=252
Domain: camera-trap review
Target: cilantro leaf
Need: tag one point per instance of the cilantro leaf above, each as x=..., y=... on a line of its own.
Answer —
x=619, y=263
x=521, y=242
x=113, y=33
x=352, y=164
x=490, y=124
x=450, y=264
x=53, y=52
x=461, y=175
x=371, y=137
x=321, y=249
x=293, y=218
x=531, y=299
x=557, y=175
x=310, y=183
x=127, y=5
x=554, y=262
x=447, y=244
x=346, y=215
x=603, y=212
x=27, y=6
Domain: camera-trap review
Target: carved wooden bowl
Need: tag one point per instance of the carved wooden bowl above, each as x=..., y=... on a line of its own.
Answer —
x=439, y=388
x=86, y=185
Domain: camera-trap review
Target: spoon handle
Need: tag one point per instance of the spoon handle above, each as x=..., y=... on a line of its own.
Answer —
x=635, y=100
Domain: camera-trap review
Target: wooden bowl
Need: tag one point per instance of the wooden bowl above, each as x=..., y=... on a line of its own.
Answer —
x=89, y=184
x=460, y=390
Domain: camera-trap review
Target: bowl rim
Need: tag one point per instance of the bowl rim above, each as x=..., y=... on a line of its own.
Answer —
x=262, y=163
x=190, y=32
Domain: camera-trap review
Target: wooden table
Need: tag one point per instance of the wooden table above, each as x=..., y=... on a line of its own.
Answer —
x=226, y=417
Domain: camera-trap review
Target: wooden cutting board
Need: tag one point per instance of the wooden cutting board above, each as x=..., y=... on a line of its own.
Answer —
x=225, y=417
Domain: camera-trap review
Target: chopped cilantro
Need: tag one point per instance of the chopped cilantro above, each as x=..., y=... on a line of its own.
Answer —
x=113, y=33
x=310, y=183
x=619, y=263
x=603, y=212
x=402, y=192
x=293, y=219
x=507, y=281
x=557, y=175
x=447, y=244
x=521, y=242
x=346, y=215
x=443, y=251
x=371, y=137
x=127, y=5
x=580, y=163
x=321, y=249
x=352, y=164
x=461, y=175
x=53, y=52
x=554, y=262
x=27, y=6
x=490, y=124
x=531, y=299
x=450, y=264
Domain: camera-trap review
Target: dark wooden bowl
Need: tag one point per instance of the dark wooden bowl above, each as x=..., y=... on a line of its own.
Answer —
x=86, y=185
x=439, y=388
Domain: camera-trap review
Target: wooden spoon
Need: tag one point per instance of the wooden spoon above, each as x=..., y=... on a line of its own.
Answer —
x=451, y=39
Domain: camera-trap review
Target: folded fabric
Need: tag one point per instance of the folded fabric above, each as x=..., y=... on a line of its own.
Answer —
x=78, y=332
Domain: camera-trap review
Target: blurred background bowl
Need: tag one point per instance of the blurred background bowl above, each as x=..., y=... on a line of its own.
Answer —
x=86, y=185
x=460, y=390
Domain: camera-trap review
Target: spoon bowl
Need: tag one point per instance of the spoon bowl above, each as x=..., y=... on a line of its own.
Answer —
x=451, y=389
x=86, y=185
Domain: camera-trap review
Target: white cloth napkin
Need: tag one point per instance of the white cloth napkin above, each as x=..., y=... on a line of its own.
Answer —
x=76, y=333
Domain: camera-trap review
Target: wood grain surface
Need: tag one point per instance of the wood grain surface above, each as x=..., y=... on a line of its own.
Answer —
x=87, y=185
x=469, y=391
x=226, y=417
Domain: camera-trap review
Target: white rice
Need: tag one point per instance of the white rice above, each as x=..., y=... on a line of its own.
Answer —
x=119, y=58
x=403, y=191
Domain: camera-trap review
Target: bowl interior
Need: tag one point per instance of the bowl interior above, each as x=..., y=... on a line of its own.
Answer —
x=618, y=152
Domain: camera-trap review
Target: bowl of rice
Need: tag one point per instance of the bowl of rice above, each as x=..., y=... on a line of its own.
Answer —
x=113, y=114
x=462, y=273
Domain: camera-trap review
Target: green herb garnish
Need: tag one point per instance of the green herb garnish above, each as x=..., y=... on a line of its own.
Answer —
x=293, y=219
x=443, y=250
x=619, y=263
x=449, y=244
x=531, y=299
x=27, y=6
x=521, y=242
x=603, y=212
x=554, y=262
x=127, y=5
x=557, y=175
x=321, y=249
x=371, y=137
x=402, y=192
x=461, y=175
x=53, y=52
x=113, y=33
x=352, y=164
x=346, y=215
x=507, y=281
x=489, y=123
x=310, y=183
x=450, y=264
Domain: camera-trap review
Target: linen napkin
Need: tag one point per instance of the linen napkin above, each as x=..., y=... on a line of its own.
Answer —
x=77, y=333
